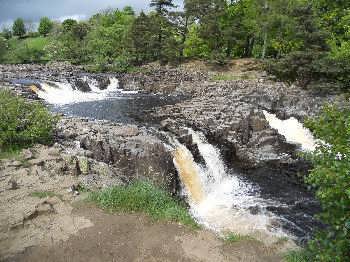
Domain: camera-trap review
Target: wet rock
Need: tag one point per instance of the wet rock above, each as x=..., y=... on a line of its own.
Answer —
x=82, y=85
x=103, y=82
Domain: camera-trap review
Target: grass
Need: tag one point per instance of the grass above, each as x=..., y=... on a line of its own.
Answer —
x=297, y=256
x=11, y=154
x=143, y=197
x=43, y=194
x=30, y=49
x=230, y=77
x=233, y=238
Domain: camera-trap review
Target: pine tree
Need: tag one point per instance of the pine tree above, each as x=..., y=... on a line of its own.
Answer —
x=162, y=6
x=162, y=10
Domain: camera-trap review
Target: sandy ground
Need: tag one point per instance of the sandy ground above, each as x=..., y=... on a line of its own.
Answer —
x=134, y=237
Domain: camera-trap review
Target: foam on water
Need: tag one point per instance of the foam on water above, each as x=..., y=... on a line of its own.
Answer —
x=59, y=93
x=293, y=131
x=227, y=200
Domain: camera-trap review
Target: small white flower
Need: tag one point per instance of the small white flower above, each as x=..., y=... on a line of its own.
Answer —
x=338, y=156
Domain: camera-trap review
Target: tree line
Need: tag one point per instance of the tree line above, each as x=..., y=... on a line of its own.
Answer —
x=300, y=40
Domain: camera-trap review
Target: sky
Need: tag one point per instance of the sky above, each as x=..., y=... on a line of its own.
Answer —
x=33, y=10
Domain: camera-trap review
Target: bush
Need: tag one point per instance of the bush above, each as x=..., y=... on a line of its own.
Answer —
x=23, y=123
x=312, y=69
x=331, y=178
x=143, y=197
x=45, y=26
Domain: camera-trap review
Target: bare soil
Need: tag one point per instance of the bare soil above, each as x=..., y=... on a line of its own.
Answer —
x=134, y=237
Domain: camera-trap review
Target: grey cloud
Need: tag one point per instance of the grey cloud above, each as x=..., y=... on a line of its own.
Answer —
x=32, y=10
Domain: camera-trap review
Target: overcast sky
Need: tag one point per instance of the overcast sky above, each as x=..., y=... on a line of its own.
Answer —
x=32, y=10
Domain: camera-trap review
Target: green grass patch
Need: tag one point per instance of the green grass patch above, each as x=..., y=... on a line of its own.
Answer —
x=146, y=198
x=27, y=50
x=297, y=256
x=43, y=194
x=231, y=77
x=233, y=238
x=12, y=153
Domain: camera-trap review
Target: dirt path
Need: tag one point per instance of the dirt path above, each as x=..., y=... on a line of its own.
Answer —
x=134, y=237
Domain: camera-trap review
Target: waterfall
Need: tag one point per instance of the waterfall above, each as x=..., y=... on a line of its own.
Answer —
x=59, y=93
x=189, y=173
x=293, y=131
x=222, y=201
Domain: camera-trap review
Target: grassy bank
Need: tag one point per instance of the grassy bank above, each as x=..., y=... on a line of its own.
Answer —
x=27, y=50
x=143, y=197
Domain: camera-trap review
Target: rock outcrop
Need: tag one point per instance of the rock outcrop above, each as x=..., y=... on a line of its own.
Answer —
x=123, y=151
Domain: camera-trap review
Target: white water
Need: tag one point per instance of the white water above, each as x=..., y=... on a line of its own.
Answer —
x=293, y=131
x=221, y=202
x=58, y=93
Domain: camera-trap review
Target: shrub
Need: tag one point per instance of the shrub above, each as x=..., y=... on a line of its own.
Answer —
x=23, y=123
x=143, y=197
x=331, y=178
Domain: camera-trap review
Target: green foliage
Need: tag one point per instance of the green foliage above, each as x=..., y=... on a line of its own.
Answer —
x=28, y=50
x=45, y=26
x=43, y=194
x=233, y=238
x=3, y=47
x=330, y=177
x=143, y=197
x=23, y=123
x=195, y=46
x=68, y=24
x=18, y=28
x=298, y=256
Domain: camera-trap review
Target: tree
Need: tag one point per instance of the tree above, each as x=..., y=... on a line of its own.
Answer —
x=162, y=6
x=68, y=25
x=162, y=11
x=210, y=14
x=18, y=28
x=143, y=39
x=45, y=26
x=180, y=22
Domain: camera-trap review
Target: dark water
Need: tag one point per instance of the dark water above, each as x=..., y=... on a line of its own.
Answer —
x=296, y=206
x=131, y=109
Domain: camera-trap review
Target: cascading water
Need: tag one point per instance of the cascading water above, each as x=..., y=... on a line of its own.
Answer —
x=58, y=93
x=293, y=131
x=222, y=201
